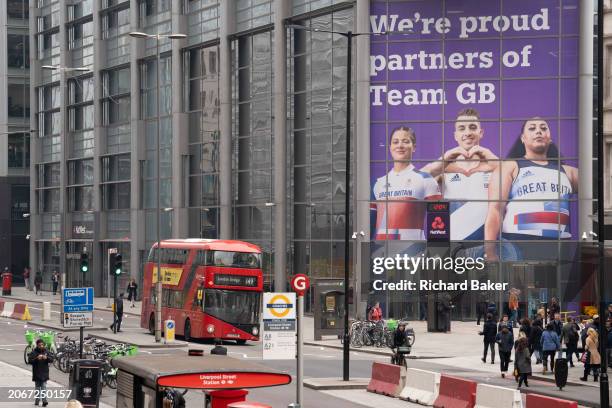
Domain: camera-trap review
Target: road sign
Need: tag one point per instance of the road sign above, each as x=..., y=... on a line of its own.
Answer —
x=112, y=250
x=78, y=319
x=78, y=300
x=169, y=329
x=300, y=284
x=279, y=326
x=77, y=307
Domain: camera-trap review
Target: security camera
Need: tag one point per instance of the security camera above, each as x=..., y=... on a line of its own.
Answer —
x=354, y=236
x=28, y=236
x=362, y=233
x=584, y=236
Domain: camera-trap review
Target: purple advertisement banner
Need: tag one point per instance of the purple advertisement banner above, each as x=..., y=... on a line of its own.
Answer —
x=475, y=103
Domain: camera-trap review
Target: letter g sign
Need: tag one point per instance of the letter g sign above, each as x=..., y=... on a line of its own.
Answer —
x=300, y=284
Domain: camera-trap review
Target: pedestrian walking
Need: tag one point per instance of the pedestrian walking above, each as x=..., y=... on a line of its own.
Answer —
x=569, y=337
x=553, y=308
x=40, y=359
x=505, y=322
x=513, y=306
x=55, y=281
x=375, y=313
x=550, y=345
x=481, y=307
x=132, y=287
x=522, y=362
x=489, y=331
x=38, y=283
x=118, y=313
x=492, y=308
x=505, y=342
x=26, y=277
x=535, y=335
x=557, y=324
x=592, y=359
x=525, y=328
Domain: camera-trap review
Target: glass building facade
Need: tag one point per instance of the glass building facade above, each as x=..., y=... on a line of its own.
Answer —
x=14, y=136
x=252, y=125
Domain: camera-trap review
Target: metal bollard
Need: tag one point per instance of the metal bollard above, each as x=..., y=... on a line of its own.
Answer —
x=46, y=315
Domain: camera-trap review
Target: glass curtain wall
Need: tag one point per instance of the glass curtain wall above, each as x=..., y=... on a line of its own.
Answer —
x=317, y=97
x=252, y=143
x=202, y=104
x=148, y=95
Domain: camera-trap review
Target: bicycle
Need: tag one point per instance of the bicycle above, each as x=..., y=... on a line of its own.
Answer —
x=399, y=356
x=48, y=337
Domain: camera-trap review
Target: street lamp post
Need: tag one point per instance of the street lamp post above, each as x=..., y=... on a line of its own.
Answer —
x=604, y=391
x=158, y=285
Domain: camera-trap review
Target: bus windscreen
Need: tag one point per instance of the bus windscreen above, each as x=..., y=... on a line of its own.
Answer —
x=236, y=307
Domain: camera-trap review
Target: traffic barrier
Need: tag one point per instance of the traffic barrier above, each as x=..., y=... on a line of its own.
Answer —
x=455, y=392
x=421, y=386
x=387, y=379
x=46, y=311
x=7, y=310
x=492, y=396
x=541, y=401
x=21, y=312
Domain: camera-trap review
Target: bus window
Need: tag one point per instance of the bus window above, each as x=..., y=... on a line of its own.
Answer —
x=233, y=259
x=169, y=256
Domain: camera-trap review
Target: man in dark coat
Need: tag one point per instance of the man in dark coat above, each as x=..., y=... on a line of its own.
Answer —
x=40, y=360
x=444, y=311
x=489, y=331
x=118, y=312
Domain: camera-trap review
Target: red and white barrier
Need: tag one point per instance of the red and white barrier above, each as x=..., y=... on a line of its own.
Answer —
x=387, y=379
x=421, y=386
x=492, y=396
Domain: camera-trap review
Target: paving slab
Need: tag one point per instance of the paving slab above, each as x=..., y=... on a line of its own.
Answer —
x=138, y=337
x=335, y=383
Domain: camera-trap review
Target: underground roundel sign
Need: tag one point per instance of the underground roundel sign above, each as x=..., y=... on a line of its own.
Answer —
x=300, y=284
x=279, y=306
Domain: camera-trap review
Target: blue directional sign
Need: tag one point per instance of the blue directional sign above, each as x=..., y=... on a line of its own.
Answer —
x=78, y=300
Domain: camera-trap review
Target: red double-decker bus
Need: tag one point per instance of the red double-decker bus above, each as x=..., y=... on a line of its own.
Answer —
x=210, y=288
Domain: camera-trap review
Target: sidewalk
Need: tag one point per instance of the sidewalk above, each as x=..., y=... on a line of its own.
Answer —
x=101, y=303
x=15, y=378
x=460, y=348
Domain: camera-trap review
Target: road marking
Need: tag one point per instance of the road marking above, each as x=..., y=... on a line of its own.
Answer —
x=13, y=345
x=319, y=355
x=38, y=308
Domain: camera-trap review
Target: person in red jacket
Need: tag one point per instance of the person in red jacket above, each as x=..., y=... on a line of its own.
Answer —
x=375, y=313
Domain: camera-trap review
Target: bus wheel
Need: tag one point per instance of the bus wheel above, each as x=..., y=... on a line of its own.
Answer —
x=187, y=330
x=152, y=324
x=241, y=342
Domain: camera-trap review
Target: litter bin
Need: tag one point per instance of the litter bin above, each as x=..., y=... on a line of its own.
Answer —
x=7, y=283
x=85, y=381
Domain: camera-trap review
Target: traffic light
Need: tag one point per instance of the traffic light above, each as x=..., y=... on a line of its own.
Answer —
x=84, y=262
x=118, y=264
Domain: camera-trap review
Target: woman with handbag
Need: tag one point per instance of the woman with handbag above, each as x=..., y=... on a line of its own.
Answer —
x=522, y=362
x=591, y=357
